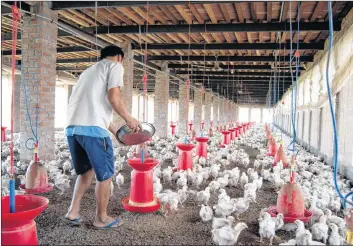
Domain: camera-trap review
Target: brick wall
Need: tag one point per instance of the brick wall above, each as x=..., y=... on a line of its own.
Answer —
x=161, y=103
x=39, y=41
x=183, y=110
x=198, y=102
x=126, y=91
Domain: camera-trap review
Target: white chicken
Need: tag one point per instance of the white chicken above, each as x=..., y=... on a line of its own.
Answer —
x=157, y=186
x=243, y=179
x=203, y=196
x=267, y=228
x=335, y=238
x=206, y=213
x=241, y=205
x=223, y=197
x=214, y=186
x=299, y=234
x=320, y=230
x=119, y=180
x=221, y=222
x=227, y=235
x=182, y=181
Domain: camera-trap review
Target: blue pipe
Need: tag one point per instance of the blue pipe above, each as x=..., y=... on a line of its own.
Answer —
x=12, y=195
x=335, y=138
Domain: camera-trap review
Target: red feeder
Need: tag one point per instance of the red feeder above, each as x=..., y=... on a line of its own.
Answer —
x=185, y=156
x=172, y=126
x=272, y=148
x=290, y=201
x=240, y=130
x=201, y=148
x=280, y=156
x=202, y=125
x=19, y=228
x=3, y=133
x=141, y=198
x=225, y=138
x=232, y=134
x=237, y=132
x=36, y=179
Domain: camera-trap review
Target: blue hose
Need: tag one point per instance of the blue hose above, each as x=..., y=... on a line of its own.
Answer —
x=335, y=138
x=12, y=195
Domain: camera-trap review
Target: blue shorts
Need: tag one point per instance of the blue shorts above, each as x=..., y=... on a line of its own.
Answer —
x=92, y=152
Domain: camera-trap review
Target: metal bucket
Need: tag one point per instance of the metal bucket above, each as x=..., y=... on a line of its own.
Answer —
x=126, y=137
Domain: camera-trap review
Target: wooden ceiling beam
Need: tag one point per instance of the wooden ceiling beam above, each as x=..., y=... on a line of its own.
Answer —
x=239, y=12
x=182, y=12
x=196, y=13
x=225, y=12
x=143, y=14
x=269, y=11
x=210, y=12
x=119, y=16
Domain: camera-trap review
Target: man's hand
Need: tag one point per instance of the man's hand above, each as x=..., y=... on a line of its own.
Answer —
x=133, y=124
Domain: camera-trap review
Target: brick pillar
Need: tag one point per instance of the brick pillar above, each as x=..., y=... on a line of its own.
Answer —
x=38, y=68
x=198, y=102
x=208, y=105
x=126, y=91
x=17, y=106
x=161, y=103
x=183, y=110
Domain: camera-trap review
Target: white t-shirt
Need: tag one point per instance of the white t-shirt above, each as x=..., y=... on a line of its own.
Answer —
x=88, y=104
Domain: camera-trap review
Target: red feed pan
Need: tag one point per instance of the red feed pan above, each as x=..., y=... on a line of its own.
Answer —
x=28, y=207
x=138, y=209
x=37, y=190
x=307, y=215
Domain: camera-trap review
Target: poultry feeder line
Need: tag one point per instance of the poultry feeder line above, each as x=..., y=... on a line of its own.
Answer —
x=18, y=225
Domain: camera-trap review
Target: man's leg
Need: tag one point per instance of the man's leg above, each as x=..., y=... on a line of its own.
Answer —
x=82, y=184
x=85, y=174
x=102, y=199
x=101, y=155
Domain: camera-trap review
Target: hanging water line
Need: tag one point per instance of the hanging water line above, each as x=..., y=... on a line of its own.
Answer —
x=15, y=20
x=335, y=137
x=294, y=86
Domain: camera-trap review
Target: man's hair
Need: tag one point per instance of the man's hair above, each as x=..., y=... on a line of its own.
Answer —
x=111, y=50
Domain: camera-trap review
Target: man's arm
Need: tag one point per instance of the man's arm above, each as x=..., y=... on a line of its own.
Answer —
x=115, y=99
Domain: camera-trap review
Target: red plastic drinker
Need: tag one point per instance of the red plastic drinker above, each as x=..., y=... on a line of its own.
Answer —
x=185, y=156
x=19, y=228
x=141, y=198
x=3, y=133
x=225, y=137
x=201, y=148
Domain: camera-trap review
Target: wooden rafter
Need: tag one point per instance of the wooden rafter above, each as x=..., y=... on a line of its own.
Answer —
x=182, y=12
x=209, y=10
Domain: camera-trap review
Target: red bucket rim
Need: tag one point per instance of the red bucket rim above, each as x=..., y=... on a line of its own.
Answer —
x=27, y=214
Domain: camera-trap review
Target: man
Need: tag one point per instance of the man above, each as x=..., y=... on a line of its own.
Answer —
x=90, y=109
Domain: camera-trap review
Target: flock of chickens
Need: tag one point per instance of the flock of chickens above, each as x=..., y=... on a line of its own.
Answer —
x=224, y=168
